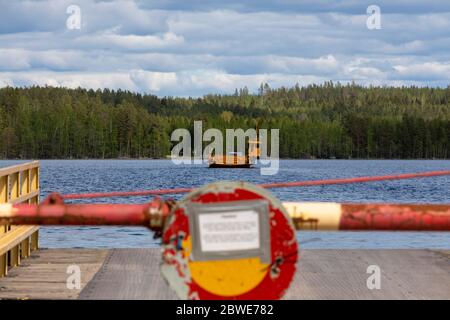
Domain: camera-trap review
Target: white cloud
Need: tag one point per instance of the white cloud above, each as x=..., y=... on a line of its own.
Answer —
x=14, y=59
x=427, y=70
x=153, y=81
x=70, y=80
x=130, y=42
x=194, y=48
x=322, y=65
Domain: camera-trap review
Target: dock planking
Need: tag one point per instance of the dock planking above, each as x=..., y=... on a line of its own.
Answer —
x=322, y=274
x=44, y=274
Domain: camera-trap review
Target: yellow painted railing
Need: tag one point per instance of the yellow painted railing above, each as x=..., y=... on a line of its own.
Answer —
x=18, y=184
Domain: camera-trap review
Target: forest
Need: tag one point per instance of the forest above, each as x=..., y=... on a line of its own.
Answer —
x=330, y=120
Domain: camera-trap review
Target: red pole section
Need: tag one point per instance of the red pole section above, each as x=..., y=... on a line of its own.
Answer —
x=355, y=180
x=305, y=215
x=395, y=217
x=76, y=214
x=388, y=217
x=151, y=214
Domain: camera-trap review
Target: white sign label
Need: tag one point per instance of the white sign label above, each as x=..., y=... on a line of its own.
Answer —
x=229, y=231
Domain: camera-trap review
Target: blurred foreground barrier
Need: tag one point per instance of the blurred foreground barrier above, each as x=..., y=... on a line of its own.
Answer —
x=231, y=240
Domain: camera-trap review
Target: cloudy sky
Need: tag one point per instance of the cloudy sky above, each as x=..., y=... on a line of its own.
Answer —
x=195, y=47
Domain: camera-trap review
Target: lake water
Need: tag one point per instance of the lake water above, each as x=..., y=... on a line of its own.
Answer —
x=78, y=176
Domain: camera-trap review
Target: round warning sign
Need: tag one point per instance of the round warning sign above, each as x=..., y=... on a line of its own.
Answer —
x=229, y=240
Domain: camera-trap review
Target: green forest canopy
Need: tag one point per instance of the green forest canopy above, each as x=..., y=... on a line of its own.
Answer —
x=321, y=121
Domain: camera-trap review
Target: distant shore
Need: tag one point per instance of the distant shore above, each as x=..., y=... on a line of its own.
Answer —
x=316, y=122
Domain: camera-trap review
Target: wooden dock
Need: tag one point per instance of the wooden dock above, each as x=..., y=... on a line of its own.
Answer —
x=322, y=274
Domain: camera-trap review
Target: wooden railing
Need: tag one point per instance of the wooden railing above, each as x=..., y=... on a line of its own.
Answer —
x=18, y=184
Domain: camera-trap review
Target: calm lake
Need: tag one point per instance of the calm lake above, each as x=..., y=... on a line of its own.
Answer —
x=78, y=176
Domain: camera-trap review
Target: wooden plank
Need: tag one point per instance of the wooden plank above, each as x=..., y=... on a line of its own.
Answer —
x=14, y=237
x=19, y=167
x=44, y=274
x=25, y=197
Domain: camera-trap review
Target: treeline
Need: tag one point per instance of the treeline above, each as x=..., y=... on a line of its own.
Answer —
x=318, y=121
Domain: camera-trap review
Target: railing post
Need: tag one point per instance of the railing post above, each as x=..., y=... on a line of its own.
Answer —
x=3, y=264
x=25, y=249
x=14, y=256
x=35, y=240
x=18, y=184
x=14, y=191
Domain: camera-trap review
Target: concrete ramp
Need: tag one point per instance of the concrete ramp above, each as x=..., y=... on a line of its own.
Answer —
x=322, y=274
x=129, y=274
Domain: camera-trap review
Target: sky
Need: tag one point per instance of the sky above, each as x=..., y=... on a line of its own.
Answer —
x=198, y=47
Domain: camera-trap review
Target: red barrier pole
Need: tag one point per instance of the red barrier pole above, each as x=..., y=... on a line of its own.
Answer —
x=395, y=217
x=381, y=217
x=151, y=214
x=315, y=216
x=78, y=214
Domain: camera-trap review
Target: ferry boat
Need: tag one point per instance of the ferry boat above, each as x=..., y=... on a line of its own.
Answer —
x=236, y=159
